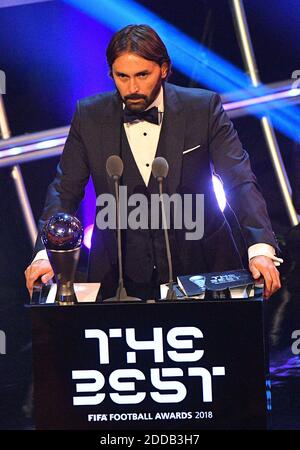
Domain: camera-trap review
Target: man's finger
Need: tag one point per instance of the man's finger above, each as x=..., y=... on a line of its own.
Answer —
x=268, y=283
x=47, y=276
x=34, y=274
x=255, y=272
x=275, y=280
x=38, y=269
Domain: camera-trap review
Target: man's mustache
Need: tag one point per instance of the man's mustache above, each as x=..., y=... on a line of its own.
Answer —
x=135, y=97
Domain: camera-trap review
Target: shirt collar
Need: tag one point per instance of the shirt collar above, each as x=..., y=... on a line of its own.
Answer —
x=159, y=101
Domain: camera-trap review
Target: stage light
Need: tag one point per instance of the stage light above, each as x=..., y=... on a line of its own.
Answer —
x=263, y=99
x=48, y=144
x=32, y=147
x=32, y=143
x=294, y=92
x=219, y=191
x=185, y=51
x=190, y=57
x=7, y=3
x=87, y=239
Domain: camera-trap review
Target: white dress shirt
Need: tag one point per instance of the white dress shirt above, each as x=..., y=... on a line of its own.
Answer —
x=143, y=140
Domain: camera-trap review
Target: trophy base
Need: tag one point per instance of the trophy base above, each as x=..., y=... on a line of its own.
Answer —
x=64, y=298
x=66, y=302
x=47, y=294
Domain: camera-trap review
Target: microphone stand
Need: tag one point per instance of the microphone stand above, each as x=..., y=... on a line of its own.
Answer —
x=121, y=294
x=171, y=294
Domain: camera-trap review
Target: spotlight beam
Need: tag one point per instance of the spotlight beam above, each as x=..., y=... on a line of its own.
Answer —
x=49, y=143
x=188, y=55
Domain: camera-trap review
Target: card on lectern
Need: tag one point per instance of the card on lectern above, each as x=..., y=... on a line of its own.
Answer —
x=238, y=283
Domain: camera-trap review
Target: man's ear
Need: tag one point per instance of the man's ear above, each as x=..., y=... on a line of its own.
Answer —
x=164, y=70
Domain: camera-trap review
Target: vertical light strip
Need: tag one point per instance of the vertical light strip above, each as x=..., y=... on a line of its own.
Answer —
x=271, y=140
x=279, y=169
x=4, y=128
x=24, y=202
x=247, y=49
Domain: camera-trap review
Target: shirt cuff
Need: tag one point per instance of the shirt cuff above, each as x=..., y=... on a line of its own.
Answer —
x=42, y=254
x=264, y=250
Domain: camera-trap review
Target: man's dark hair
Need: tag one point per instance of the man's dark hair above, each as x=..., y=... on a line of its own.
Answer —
x=141, y=40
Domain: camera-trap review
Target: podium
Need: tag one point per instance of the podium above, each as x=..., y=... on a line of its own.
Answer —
x=190, y=364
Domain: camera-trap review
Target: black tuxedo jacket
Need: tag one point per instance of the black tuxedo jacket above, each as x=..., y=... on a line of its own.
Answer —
x=197, y=139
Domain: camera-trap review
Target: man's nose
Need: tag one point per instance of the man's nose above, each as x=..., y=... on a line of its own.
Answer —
x=133, y=86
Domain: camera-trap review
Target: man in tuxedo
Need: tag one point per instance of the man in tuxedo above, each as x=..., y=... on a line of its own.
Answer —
x=144, y=118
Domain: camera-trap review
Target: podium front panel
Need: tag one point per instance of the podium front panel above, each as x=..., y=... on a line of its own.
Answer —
x=178, y=365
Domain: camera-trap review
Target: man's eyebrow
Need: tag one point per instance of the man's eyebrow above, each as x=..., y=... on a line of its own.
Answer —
x=142, y=72
x=121, y=73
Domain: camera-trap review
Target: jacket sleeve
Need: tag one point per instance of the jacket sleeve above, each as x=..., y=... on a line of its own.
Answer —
x=65, y=193
x=231, y=163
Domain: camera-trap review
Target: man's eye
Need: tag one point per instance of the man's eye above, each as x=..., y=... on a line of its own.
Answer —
x=143, y=75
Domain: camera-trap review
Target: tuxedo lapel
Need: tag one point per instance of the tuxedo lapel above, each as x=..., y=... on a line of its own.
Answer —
x=111, y=134
x=171, y=141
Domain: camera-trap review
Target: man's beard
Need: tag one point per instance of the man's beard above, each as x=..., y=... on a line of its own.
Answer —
x=145, y=100
x=139, y=106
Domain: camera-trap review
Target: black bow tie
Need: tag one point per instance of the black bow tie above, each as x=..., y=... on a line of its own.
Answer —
x=150, y=115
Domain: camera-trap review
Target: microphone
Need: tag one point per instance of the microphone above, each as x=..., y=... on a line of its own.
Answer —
x=160, y=169
x=114, y=168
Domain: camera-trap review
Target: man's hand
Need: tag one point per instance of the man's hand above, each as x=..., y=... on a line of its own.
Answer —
x=264, y=266
x=40, y=268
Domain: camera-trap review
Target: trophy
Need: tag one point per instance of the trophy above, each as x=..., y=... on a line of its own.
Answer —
x=62, y=235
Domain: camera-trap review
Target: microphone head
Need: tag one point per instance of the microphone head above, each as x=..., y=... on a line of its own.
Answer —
x=160, y=168
x=114, y=166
